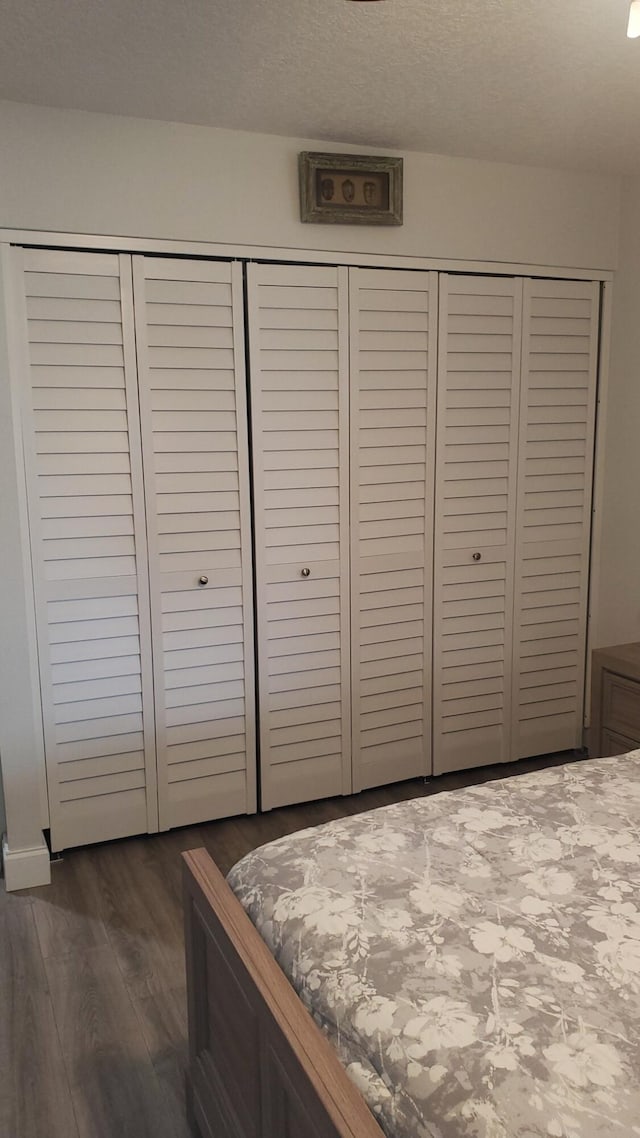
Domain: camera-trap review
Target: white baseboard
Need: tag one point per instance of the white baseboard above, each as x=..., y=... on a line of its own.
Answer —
x=24, y=869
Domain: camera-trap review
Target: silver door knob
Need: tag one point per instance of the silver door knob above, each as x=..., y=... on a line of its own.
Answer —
x=477, y=556
x=305, y=572
x=203, y=580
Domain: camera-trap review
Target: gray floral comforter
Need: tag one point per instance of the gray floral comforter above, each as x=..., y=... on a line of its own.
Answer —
x=474, y=956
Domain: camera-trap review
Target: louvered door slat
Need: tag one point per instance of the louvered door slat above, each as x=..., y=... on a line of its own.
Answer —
x=393, y=361
x=559, y=361
x=189, y=323
x=299, y=382
x=88, y=541
x=478, y=384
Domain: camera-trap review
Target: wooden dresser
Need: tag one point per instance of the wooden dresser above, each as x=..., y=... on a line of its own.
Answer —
x=615, y=700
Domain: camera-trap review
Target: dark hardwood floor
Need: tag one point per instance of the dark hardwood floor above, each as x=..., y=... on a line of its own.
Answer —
x=92, y=990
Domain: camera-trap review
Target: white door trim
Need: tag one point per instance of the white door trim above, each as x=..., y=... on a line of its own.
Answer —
x=175, y=248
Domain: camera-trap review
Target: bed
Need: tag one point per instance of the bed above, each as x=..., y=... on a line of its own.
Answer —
x=464, y=965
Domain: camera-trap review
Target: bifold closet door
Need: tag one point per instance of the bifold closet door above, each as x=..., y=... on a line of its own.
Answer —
x=75, y=352
x=299, y=399
x=190, y=342
x=558, y=397
x=393, y=325
x=475, y=524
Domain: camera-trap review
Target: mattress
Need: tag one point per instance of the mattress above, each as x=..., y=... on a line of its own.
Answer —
x=474, y=956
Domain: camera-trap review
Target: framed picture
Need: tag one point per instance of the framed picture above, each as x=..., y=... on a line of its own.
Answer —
x=350, y=189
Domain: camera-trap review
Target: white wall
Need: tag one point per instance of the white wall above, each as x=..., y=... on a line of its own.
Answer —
x=79, y=172
x=619, y=582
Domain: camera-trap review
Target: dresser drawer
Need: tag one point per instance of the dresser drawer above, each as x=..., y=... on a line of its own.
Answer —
x=620, y=705
x=614, y=744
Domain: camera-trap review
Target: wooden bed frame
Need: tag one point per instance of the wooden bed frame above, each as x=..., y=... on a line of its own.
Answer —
x=259, y=1067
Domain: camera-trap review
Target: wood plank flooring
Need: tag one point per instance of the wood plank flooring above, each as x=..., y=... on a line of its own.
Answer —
x=92, y=992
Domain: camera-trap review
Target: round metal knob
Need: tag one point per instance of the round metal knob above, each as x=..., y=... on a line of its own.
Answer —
x=305, y=572
x=203, y=580
x=476, y=556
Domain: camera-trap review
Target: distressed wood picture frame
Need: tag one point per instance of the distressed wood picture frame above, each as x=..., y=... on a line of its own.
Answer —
x=350, y=189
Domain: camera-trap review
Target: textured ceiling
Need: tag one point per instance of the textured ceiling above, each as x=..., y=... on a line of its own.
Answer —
x=547, y=82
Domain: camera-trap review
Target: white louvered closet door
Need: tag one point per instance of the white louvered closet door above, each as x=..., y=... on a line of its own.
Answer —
x=393, y=323
x=86, y=511
x=190, y=340
x=558, y=395
x=299, y=397
x=477, y=439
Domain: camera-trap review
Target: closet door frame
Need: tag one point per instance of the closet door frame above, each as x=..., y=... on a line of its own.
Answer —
x=23, y=775
x=209, y=250
x=13, y=280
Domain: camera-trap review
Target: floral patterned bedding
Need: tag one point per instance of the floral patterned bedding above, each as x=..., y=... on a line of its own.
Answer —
x=474, y=956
